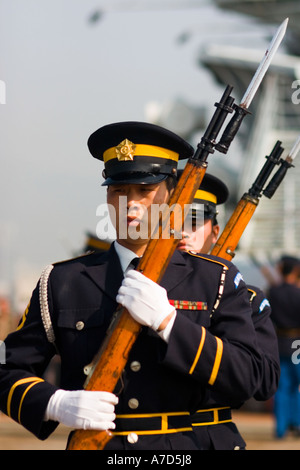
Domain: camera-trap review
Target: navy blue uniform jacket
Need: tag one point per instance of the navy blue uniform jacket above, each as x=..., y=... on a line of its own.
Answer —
x=210, y=347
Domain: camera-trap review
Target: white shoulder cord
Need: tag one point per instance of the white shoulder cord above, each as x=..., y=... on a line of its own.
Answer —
x=43, y=295
x=221, y=289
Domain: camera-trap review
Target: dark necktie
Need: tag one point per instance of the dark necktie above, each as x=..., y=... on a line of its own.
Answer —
x=134, y=263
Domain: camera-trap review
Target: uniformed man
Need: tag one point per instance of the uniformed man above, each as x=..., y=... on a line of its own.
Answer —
x=284, y=300
x=203, y=224
x=197, y=332
x=213, y=423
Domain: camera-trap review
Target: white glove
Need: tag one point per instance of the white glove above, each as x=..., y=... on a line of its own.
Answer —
x=83, y=409
x=146, y=301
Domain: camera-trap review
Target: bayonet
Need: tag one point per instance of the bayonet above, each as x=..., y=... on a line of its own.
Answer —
x=294, y=151
x=241, y=110
x=264, y=65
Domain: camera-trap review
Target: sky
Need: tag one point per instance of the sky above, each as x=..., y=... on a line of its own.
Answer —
x=65, y=76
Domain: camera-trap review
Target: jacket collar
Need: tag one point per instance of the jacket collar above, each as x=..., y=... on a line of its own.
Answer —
x=177, y=270
x=107, y=274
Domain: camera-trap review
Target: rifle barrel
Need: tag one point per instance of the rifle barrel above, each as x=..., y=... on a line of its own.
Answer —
x=272, y=160
x=281, y=172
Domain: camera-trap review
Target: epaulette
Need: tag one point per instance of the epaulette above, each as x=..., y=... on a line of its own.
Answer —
x=211, y=258
x=252, y=294
x=222, y=278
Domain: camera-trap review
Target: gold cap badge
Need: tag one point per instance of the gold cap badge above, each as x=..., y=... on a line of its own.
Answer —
x=125, y=150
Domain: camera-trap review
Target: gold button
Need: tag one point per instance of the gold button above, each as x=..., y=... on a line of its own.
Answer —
x=132, y=438
x=135, y=366
x=79, y=325
x=133, y=403
x=237, y=448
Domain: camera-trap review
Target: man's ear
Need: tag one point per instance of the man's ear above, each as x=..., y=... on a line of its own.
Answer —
x=215, y=233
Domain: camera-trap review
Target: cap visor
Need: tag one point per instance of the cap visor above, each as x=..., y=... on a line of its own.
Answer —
x=137, y=178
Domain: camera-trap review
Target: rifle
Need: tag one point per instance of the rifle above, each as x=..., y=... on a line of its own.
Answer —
x=106, y=368
x=228, y=240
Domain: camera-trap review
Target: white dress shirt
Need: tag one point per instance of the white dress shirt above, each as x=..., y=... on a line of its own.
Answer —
x=126, y=256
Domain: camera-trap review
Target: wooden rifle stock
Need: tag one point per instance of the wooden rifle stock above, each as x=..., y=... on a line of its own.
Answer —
x=107, y=366
x=234, y=229
x=228, y=240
